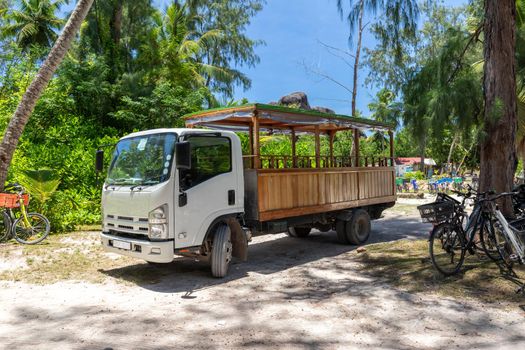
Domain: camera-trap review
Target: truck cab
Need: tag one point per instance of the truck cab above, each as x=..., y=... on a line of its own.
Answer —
x=167, y=188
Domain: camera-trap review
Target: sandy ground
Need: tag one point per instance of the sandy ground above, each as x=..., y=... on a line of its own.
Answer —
x=292, y=294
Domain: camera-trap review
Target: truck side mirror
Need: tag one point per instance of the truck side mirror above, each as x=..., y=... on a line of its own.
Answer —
x=99, y=160
x=183, y=155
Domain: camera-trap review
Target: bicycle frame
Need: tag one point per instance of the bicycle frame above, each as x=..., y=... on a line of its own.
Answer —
x=510, y=234
x=23, y=210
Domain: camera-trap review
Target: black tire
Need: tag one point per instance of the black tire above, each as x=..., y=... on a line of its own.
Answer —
x=36, y=232
x=298, y=232
x=324, y=227
x=358, y=228
x=221, y=251
x=446, y=247
x=375, y=213
x=488, y=242
x=5, y=226
x=340, y=228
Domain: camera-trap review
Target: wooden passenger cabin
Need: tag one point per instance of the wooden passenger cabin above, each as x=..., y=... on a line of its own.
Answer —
x=285, y=186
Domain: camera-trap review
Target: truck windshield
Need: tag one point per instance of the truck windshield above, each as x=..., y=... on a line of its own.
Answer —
x=142, y=160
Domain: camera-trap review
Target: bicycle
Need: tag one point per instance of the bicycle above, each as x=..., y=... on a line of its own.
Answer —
x=24, y=227
x=509, y=236
x=455, y=233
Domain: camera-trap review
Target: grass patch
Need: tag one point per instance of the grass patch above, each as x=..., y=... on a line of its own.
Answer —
x=404, y=209
x=406, y=264
x=77, y=256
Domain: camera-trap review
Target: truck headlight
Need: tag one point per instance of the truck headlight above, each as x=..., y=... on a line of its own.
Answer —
x=158, y=222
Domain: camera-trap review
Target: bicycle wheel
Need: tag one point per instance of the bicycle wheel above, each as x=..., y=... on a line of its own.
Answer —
x=503, y=245
x=446, y=246
x=33, y=231
x=489, y=243
x=5, y=226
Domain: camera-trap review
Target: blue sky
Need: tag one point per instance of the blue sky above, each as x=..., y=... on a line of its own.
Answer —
x=292, y=30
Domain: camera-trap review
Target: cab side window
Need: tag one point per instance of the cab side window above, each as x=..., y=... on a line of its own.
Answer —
x=210, y=156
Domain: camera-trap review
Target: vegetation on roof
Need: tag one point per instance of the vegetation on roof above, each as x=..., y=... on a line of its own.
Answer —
x=284, y=109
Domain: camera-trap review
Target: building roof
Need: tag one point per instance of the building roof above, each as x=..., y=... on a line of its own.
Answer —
x=279, y=118
x=414, y=161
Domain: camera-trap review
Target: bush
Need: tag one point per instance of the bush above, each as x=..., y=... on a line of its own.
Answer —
x=418, y=175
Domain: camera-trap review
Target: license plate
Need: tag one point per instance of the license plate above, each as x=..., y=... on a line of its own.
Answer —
x=122, y=245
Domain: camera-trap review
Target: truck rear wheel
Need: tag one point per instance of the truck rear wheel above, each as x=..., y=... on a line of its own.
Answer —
x=358, y=228
x=299, y=232
x=221, y=251
x=340, y=228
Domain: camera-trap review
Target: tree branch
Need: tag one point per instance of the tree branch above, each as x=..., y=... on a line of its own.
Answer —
x=473, y=38
x=325, y=76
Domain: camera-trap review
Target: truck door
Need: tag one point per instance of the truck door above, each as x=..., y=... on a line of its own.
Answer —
x=206, y=191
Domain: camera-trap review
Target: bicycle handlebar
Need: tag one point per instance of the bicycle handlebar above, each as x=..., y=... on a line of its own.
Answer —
x=498, y=196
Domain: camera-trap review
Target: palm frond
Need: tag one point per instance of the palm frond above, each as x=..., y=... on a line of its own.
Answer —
x=41, y=183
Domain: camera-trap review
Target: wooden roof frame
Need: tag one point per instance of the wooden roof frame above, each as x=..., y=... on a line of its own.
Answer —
x=256, y=118
x=272, y=117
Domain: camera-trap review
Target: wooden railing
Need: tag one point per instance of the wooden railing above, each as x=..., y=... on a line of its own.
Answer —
x=305, y=162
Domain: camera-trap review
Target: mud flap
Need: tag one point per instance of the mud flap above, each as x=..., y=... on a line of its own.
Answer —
x=239, y=241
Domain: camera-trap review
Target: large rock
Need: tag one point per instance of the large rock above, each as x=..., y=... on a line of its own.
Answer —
x=324, y=110
x=295, y=100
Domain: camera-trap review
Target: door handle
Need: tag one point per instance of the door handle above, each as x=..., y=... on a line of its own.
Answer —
x=183, y=199
x=231, y=197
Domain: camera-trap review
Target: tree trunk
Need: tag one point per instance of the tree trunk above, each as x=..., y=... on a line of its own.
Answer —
x=498, y=151
x=449, y=158
x=422, y=156
x=45, y=73
x=357, y=54
x=467, y=152
x=116, y=23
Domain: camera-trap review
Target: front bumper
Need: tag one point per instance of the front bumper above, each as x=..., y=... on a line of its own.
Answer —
x=159, y=252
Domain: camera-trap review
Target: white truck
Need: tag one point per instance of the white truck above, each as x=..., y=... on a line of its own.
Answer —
x=191, y=192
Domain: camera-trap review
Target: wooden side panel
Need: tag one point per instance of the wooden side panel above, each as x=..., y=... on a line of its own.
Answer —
x=305, y=191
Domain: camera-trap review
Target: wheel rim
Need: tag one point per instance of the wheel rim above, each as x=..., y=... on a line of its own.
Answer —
x=489, y=244
x=502, y=245
x=362, y=229
x=35, y=230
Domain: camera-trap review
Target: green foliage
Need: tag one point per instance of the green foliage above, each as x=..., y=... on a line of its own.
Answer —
x=134, y=66
x=41, y=184
x=33, y=23
x=163, y=108
x=418, y=175
x=439, y=82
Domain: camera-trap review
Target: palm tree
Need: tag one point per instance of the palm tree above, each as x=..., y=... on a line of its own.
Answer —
x=45, y=73
x=34, y=23
x=384, y=109
x=183, y=48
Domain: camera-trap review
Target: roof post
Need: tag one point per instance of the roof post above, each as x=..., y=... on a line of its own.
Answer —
x=331, y=133
x=294, y=155
x=391, y=136
x=317, y=148
x=250, y=134
x=256, y=149
x=356, y=147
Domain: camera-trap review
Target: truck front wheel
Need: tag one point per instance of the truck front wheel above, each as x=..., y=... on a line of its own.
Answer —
x=221, y=252
x=358, y=228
